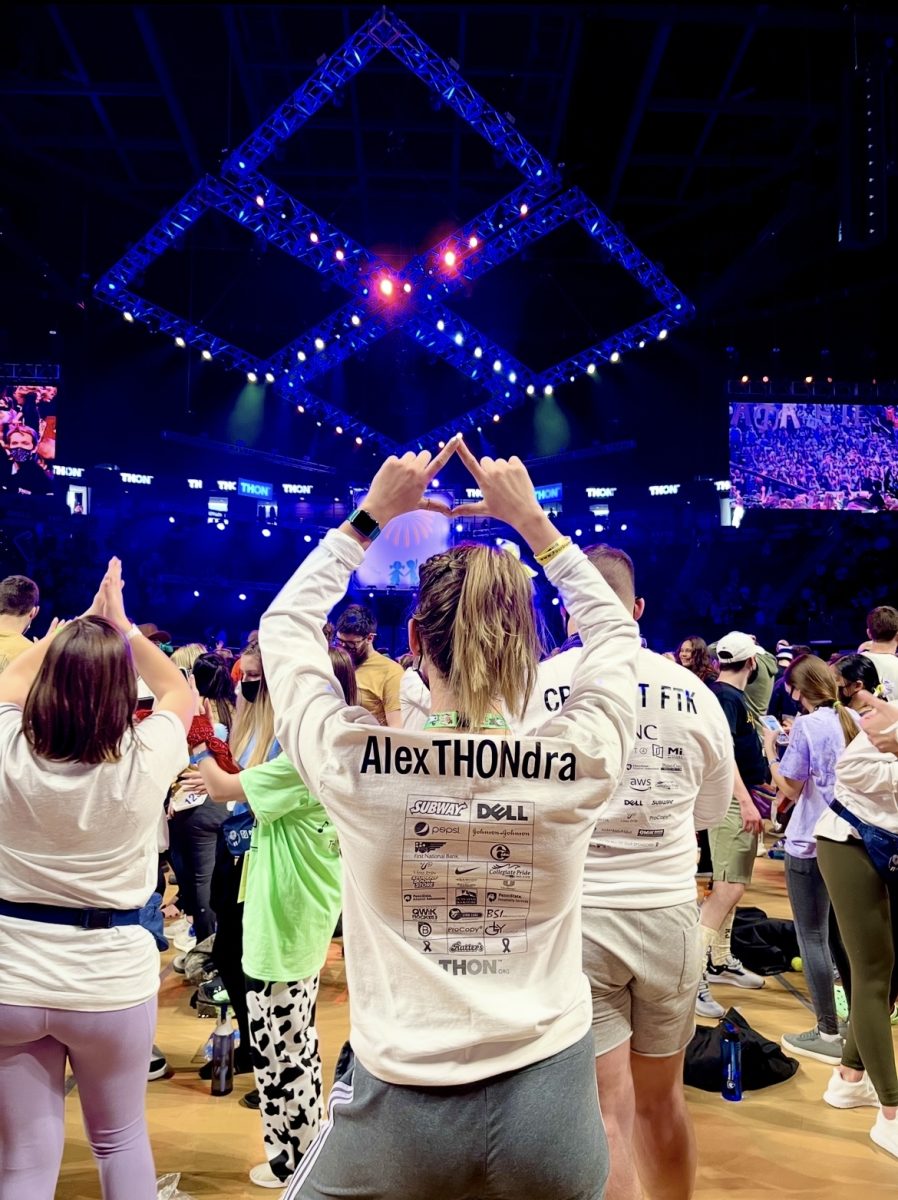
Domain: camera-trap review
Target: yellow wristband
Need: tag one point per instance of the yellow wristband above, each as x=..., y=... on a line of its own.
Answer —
x=550, y=552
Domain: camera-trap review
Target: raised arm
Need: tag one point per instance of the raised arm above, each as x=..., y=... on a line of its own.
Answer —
x=306, y=696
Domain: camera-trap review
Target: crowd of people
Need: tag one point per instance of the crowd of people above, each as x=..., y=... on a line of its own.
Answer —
x=800, y=456
x=507, y=838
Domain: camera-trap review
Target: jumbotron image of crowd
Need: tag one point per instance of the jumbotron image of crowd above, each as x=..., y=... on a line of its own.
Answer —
x=800, y=456
x=487, y=814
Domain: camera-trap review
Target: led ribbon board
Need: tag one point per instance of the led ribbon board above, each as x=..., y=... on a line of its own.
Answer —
x=382, y=299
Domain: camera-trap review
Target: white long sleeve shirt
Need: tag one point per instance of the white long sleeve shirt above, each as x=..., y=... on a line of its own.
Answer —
x=678, y=777
x=463, y=853
x=867, y=785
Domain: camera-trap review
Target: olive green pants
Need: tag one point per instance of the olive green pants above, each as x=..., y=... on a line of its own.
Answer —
x=866, y=908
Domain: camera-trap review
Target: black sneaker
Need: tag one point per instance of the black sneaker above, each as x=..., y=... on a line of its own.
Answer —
x=158, y=1065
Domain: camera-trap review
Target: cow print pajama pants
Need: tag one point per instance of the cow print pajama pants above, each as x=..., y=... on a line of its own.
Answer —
x=287, y=1068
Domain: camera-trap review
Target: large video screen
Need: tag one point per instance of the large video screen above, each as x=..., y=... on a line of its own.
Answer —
x=392, y=561
x=814, y=456
x=27, y=438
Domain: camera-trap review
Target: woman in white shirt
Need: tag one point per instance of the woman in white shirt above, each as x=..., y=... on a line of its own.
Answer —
x=463, y=850
x=864, y=894
x=81, y=795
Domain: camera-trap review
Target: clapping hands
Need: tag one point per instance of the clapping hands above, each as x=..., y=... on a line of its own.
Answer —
x=108, y=601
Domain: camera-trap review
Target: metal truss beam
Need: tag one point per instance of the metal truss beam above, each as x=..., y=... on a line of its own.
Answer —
x=380, y=298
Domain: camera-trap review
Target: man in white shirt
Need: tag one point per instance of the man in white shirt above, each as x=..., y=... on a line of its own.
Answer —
x=641, y=941
x=882, y=630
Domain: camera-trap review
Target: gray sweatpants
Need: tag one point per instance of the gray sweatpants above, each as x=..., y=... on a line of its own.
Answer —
x=531, y=1134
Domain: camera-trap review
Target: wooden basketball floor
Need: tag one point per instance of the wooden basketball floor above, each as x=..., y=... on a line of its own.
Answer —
x=782, y=1142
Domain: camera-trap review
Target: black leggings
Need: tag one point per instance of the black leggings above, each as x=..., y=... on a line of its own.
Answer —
x=227, y=949
x=867, y=911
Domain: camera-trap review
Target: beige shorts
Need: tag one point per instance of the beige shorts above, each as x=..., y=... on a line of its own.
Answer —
x=644, y=968
x=733, y=851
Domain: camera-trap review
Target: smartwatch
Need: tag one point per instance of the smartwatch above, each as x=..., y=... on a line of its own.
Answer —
x=364, y=524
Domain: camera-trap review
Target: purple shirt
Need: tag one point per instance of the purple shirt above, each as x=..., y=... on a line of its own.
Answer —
x=815, y=745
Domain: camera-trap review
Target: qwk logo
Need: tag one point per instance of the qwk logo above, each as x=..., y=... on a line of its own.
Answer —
x=424, y=914
x=428, y=847
x=640, y=785
x=458, y=914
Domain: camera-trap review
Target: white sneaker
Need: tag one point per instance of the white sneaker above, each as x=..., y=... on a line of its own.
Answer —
x=185, y=940
x=705, y=1004
x=263, y=1176
x=885, y=1133
x=176, y=927
x=732, y=971
x=842, y=1094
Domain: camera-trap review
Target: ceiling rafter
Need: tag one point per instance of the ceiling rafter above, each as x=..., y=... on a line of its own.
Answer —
x=157, y=59
x=644, y=91
x=95, y=100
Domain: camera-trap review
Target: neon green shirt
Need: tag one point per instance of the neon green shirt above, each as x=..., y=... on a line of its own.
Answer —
x=293, y=877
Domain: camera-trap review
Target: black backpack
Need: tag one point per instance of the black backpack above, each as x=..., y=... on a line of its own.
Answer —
x=765, y=945
x=763, y=1062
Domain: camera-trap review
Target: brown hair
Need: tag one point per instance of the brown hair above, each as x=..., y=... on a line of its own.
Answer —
x=702, y=663
x=882, y=623
x=18, y=596
x=818, y=686
x=344, y=669
x=616, y=568
x=81, y=703
x=254, y=719
x=477, y=625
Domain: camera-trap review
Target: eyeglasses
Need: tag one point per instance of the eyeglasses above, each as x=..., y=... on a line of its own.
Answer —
x=353, y=644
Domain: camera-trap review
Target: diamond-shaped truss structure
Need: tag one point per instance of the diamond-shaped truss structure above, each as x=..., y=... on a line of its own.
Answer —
x=382, y=299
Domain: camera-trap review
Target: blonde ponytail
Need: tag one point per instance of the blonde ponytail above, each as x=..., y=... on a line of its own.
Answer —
x=477, y=626
x=818, y=686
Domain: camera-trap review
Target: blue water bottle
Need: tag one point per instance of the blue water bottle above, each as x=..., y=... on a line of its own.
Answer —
x=730, y=1063
x=222, y=1057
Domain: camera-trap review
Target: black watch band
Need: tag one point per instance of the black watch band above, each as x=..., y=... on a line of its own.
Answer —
x=363, y=523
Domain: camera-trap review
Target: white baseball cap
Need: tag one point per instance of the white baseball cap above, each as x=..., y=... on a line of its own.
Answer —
x=737, y=647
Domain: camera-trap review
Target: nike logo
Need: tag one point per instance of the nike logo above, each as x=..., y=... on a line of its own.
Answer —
x=464, y=870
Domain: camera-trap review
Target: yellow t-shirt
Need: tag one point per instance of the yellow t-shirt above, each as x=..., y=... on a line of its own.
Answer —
x=11, y=646
x=378, y=679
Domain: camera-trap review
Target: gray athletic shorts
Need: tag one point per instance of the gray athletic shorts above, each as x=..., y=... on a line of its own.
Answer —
x=644, y=968
x=535, y=1132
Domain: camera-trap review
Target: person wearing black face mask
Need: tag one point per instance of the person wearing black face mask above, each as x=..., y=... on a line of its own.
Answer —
x=855, y=673
x=27, y=473
x=734, y=843
x=249, y=689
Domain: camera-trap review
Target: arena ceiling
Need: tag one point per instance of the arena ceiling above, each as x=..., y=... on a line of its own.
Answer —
x=713, y=134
